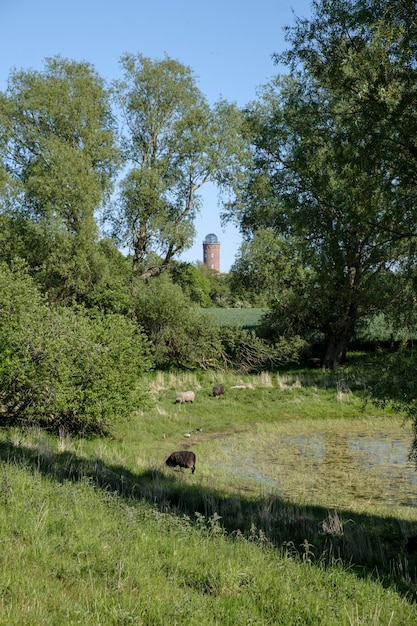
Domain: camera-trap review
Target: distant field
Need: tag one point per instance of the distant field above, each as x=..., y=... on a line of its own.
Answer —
x=373, y=330
x=243, y=318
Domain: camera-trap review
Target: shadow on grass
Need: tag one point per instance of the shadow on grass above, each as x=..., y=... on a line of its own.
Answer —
x=368, y=545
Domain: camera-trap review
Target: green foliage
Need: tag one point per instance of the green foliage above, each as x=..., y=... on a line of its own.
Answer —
x=331, y=167
x=96, y=275
x=364, y=52
x=245, y=351
x=60, y=155
x=220, y=292
x=58, y=129
x=110, y=285
x=265, y=268
x=394, y=384
x=202, y=285
x=179, y=336
x=186, y=337
x=195, y=283
x=62, y=368
x=173, y=143
x=76, y=272
x=295, y=312
x=328, y=208
x=382, y=329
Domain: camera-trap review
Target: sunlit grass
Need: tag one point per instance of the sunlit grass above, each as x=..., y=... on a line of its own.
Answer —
x=237, y=317
x=285, y=521
x=78, y=555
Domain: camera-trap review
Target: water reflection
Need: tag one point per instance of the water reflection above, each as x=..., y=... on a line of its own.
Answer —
x=325, y=466
x=308, y=444
x=379, y=451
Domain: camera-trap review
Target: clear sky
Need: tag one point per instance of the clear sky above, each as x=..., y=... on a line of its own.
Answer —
x=227, y=43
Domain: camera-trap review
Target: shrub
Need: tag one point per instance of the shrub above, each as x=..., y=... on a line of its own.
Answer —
x=62, y=368
x=183, y=336
x=179, y=335
x=245, y=351
x=195, y=283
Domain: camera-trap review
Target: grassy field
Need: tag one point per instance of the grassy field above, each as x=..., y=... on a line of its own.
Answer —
x=240, y=318
x=285, y=520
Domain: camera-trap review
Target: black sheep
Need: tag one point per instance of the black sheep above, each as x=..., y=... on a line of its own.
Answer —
x=182, y=458
x=218, y=390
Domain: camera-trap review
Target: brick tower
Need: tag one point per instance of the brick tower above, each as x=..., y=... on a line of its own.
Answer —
x=211, y=252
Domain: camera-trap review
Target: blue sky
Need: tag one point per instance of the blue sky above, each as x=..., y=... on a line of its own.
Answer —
x=227, y=44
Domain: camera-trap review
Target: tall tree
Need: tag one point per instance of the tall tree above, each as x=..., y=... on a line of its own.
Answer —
x=327, y=172
x=59, y=151
x=60, y=144
x=365, y=53
x=173, y=144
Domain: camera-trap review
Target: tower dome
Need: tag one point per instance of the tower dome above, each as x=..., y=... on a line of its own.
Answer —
x=211, y=238
x=211, y=252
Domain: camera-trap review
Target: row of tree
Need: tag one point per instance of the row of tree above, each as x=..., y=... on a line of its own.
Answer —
x=319, y=174
x=66, y=137
x=80, y=322
x=82, y=368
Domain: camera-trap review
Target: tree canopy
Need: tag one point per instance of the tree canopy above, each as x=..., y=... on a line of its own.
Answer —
x=59, y=143
x=322, y=169
x=331, y=169
x=59, y=159
x=173, y=143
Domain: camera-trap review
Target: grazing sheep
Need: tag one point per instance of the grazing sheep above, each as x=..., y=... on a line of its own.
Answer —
x=218, y=390
x=182, y=458
x=185, y=396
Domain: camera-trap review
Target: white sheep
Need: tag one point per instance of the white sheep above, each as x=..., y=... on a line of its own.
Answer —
x=185, y=396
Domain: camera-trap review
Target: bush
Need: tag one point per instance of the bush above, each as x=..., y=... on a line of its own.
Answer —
x=179, y=335
x=195, y=283
x=186, y=337
x=245, y=351
x=62, y=368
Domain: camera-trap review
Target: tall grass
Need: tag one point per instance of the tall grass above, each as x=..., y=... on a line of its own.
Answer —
x=99, y=531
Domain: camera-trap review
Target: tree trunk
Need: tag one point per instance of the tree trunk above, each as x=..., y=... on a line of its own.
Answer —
x=155, y=270
x=336, y=347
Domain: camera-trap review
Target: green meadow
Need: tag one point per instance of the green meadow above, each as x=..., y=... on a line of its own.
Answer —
x=298, y=512
x=239, y=318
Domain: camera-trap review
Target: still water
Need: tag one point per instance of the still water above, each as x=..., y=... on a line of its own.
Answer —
x=344, y=465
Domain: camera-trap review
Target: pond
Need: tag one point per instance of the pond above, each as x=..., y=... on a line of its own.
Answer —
x=331, y=463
